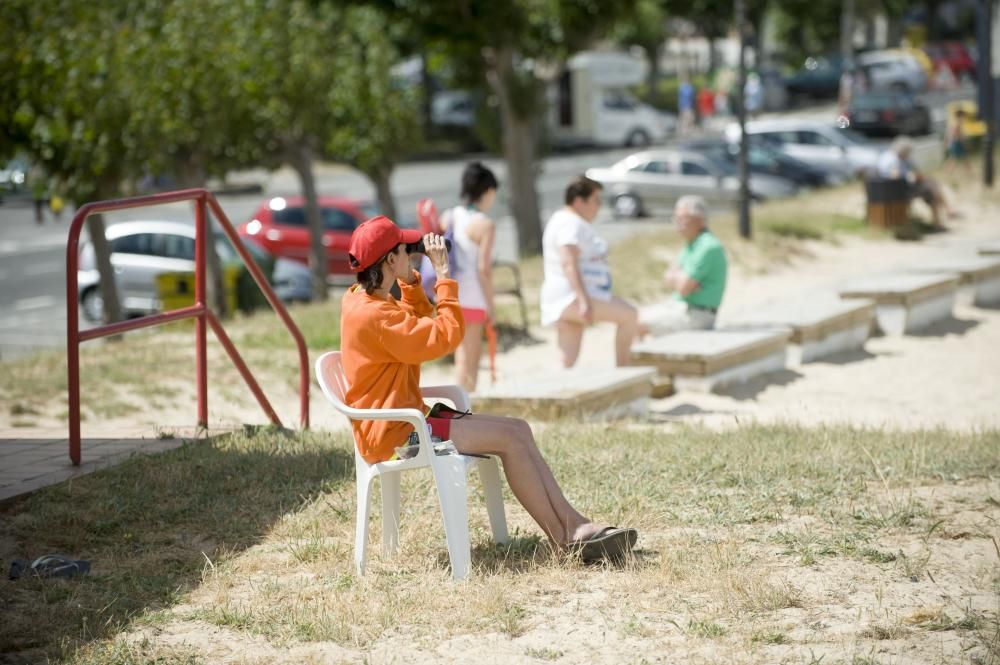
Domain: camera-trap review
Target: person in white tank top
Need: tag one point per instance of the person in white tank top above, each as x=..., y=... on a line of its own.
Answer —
x=474, y=236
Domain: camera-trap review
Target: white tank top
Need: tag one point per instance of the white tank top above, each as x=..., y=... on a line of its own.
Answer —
x=470, y=292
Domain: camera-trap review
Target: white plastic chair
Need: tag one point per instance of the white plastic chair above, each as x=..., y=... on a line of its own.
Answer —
x=450, y=474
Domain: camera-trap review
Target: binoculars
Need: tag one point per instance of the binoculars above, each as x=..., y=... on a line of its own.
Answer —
x=418, y=247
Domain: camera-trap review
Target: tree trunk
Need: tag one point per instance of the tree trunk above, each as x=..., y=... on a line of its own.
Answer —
x=653, y=76
x=102, y=255
x=519, y=151
x=383, y=191
x=301, y=159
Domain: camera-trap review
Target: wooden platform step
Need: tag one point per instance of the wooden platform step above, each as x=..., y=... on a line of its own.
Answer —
x=706, y=360
x=586, y=393
x=979, y=276
x=821, y=324
x=990, y=248
x=906, y=303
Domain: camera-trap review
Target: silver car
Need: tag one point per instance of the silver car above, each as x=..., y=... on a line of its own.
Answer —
x=143, y=250
x=814, y=142
x=657, y=178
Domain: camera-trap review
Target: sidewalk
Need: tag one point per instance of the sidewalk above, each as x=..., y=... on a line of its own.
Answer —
x=34, y=458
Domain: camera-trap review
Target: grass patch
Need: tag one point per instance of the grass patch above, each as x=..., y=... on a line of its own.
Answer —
x=254, y=532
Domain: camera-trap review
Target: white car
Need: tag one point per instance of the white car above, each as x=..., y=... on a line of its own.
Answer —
x=814, y=142
x=143, y=250
x=657, y=178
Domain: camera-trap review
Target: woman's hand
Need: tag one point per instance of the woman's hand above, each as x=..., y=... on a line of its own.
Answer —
x=585, y=310
x=438, y=255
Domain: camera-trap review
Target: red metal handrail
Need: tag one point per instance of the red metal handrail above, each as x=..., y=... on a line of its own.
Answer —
x=199, y=311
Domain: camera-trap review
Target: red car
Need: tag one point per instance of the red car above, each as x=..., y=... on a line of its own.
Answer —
x=279, y=226
x=955, y=55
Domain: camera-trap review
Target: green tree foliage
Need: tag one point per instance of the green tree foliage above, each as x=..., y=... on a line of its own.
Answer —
x=375, y=121
x=512, y=46
x=102, y=94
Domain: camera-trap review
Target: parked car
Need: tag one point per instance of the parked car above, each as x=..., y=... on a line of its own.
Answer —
x=819, y=77
x=814, y=143
x=766, y=160
x=279, y=226
x=657, y=178
x=893, y=70
x=143, y=250
x=13, y=176
x=888, y=113
x=955, y=56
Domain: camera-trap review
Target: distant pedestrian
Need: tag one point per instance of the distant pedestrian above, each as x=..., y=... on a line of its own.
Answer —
x=706, y=103
x=957, y=152
x=685, y=105
x=753, y=95
x=39, y=185
x=845, y=91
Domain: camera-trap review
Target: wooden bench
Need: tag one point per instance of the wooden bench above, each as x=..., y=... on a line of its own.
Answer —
x=821, y=325
x=906, y=303
x=706, y=360
x=979, y=276
x=587, y=393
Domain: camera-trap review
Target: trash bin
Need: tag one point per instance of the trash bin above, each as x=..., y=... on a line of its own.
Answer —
x=888, y=201
x=176, y=289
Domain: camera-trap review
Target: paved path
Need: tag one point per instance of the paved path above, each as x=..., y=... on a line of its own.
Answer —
x=32, y=459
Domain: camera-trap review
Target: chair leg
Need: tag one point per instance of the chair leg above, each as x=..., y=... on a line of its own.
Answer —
x=449, y=475
x=364, y=483
x=489, y=473
x=390, y=512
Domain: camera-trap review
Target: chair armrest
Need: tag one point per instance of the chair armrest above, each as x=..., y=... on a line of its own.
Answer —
x=456, y=394
x=412, y=416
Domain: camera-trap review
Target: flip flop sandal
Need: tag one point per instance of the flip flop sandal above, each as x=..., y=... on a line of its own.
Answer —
x=610, y=543
x=50, y=565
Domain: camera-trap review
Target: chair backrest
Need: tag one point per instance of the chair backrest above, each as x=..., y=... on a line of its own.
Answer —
x=330, y=375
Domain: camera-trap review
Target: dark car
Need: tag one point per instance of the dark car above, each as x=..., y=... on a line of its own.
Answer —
x=819, y=77
x=888, y=113
x=766, y=160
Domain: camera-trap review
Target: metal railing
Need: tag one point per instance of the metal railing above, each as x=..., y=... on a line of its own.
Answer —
x=200, y=311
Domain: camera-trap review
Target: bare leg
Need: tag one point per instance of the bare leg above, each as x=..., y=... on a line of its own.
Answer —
x=528, y=475
x=467, y=356
x=626, y=317
x=569, y=334
x=617, y=311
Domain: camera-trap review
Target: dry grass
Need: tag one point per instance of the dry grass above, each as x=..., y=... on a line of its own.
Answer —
x=253, y=535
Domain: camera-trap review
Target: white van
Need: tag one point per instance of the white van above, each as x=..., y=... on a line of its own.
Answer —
x=589, y=103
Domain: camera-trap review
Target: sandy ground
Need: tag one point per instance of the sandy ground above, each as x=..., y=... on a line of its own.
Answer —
x=947, y=376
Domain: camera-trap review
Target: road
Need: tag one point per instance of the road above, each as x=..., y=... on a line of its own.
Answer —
x=32, y=257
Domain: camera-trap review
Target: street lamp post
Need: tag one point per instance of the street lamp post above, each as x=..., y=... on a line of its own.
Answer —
x=742, y=117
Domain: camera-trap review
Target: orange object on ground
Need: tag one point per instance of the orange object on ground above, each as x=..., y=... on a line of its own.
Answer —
x=491, y=348
x=383, y=343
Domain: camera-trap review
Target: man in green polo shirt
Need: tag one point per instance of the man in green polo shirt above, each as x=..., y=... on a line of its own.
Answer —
x=699, y=278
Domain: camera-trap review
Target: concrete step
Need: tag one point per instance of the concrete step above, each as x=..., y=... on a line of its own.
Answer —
x=706, y=360
x=586, y=393
x=906, y=303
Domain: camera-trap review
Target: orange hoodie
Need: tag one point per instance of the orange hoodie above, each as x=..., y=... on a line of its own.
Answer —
x=383, y=342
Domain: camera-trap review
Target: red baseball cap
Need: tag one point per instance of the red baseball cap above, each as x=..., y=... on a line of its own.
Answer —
x=375, y=238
